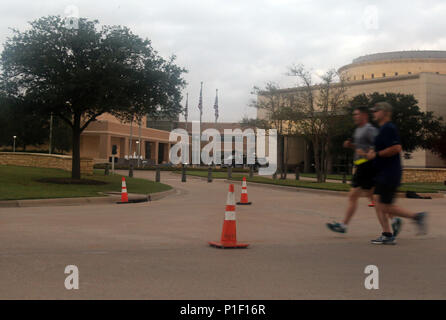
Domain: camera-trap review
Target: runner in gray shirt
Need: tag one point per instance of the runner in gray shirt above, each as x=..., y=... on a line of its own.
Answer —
x=363, y=171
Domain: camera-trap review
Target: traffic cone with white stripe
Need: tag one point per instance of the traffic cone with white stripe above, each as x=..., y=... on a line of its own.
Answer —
x=124, y=194
x=229, y=233
x=244, y=195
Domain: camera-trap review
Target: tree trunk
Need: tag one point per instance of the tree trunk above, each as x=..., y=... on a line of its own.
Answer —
x=317, y=160
x=323, y=162
x=287, y=149
x=76, y=152
x=307, y=157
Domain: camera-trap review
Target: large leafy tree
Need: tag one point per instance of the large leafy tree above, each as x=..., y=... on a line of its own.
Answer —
x=417, y=129
x=79, y=74
x=30, y=127
x=439, y=144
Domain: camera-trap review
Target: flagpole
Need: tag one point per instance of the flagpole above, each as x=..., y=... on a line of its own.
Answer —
x=187, y=108
x=216, y=105
x=201, y=103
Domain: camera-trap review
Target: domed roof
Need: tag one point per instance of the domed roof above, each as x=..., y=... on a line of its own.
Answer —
x=401, y=55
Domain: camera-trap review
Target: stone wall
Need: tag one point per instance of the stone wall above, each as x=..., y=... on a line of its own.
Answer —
x=42, y=160
x=424, y=175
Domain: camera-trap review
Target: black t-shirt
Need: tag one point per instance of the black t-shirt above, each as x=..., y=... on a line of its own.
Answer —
x=388, y=169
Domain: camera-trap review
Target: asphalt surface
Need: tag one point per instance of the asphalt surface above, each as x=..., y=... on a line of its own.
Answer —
x=159, y=250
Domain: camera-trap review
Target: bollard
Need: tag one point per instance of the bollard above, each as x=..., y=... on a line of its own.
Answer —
x=183, y=173
x=230, y=172
x=251, y=171
x=107, y=170
x=209, y=174
x=131, y=170
x=275, y=175
x=297, y=173
x=344, y=178
x=158, y=174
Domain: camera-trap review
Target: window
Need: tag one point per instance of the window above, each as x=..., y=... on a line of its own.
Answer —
x=384, y=75
x=362, y=77
x=396, y=73
x=354, y=77
x=409, y=72
x=437, y=72
x=373, y=76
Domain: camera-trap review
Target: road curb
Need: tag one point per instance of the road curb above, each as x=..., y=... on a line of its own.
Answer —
x=110, y=198
x=331, y=192
x=438, y=195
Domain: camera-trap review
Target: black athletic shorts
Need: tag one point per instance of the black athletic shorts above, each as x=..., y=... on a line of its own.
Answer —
x=386, y=192
x=364, y=176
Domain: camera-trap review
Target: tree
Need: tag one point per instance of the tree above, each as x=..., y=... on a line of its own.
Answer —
x=316, y=109
x=276, y=109
x=79, y=74
x=417, y=129
x=17, y=120
x=439, y=144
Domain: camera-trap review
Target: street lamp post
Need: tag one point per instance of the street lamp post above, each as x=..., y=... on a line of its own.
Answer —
x=138, y=147
x=13, y=145
x=51, y=134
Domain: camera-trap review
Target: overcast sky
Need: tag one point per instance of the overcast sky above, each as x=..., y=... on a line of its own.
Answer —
x=233, y=45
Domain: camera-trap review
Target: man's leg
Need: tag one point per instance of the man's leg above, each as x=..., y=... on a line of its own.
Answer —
x=353, y=197
x=400, y=212
x=419, y=218
x=381, y=213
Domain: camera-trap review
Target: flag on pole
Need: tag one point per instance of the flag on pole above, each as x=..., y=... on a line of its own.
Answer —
x=200, y=102
x=216, y=105
x=186, y=108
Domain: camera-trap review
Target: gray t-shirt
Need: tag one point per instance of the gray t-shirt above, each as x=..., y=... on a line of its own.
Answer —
x=364, y=138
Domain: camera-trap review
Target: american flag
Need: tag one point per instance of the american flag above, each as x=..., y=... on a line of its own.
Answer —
x=216, y=105
x=200, y=102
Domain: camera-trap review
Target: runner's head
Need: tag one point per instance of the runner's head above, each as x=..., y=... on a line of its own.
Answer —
x=382, y=112
x=360, y=116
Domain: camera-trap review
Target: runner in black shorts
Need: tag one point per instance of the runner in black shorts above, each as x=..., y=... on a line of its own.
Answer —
x=363, y=176
x=387, y=162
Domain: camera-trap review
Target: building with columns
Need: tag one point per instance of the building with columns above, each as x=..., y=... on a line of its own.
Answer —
x=99, y=137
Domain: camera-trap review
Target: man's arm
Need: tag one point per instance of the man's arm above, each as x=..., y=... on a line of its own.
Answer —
x=387, y=152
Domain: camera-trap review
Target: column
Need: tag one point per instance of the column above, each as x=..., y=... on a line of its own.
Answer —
x=156, y=151
x=104, y=146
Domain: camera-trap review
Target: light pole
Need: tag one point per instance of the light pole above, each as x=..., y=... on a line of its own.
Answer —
x=13, y=145
x=138, y=148
x=51, y=133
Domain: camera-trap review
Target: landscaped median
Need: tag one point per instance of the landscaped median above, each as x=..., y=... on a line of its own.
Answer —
x=333, y=186
x=18, y=183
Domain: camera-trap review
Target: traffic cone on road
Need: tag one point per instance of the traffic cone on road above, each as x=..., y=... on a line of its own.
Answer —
x=229, y=233
x=372, y=204
x=244, y=195
x=124, y=194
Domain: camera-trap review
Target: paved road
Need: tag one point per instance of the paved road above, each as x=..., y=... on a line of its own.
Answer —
x=159, y=250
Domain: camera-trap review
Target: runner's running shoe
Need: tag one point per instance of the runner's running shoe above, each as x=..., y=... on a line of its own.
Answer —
x=336, y=227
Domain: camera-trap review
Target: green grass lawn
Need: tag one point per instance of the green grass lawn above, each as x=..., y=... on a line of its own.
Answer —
x=334, y=186
x=21, y=183
x=329, y=176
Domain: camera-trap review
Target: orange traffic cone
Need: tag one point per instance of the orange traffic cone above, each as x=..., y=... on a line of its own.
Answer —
x=244, y=195
x=124, y=195
x=372, y=204
x=229, y=233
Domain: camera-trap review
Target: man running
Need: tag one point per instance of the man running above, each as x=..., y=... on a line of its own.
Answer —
x=387, y=161
x=363, y=177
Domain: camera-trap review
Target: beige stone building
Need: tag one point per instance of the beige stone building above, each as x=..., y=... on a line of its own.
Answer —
x=99, y=137
x=421, y=73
